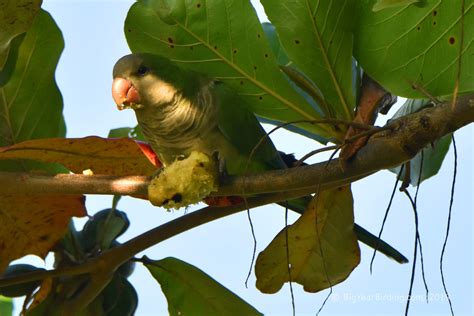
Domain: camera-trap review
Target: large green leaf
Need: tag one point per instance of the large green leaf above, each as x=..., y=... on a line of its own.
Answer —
x=30, y=101
x=322, y=246
x=16, y=18
x=119, y=298
x=317, y=36
x=411, y=44
x=275, y=44
x=433, y=154
x=298, y=79
x=384, y=4
x=190, y=291
x=285, y=65
x=224, y=39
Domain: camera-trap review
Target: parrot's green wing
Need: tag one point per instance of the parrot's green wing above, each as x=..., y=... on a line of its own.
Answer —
x=242, y=129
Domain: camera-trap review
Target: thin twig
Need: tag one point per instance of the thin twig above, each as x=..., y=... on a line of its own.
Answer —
x=254, y=251
x=312, y=153
x=288, y=263
x=448, y=226
x=425, y=283
x=412, y=279
x=374, y=130
x=312, y=122
x=385, y=217
x=423, y=91
x=332, y=157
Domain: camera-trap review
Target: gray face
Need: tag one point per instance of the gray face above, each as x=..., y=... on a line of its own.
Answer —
x=125, y=65
x=138, y=70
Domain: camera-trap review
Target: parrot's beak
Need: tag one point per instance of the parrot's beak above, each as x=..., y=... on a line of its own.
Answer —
x=125, y=94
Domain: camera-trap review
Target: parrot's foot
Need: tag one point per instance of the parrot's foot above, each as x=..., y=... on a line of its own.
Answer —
x=222, y=169
x=184, y=182
x=157, y=172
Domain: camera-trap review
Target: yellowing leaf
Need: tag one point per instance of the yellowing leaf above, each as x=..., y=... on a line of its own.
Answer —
x=33, y=224
x=318, y=258
x=119, y=157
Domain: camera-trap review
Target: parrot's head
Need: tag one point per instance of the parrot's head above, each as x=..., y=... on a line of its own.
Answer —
x=143, y=81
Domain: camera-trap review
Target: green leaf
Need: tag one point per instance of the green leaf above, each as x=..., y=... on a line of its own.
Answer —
x=402, y=46
x=137, y=133
x=384, y=4
x=298, y=81
x=103, y=228
x=317, y=36
x=224, y=39
x=120, y=132
x=16, y=18
x=31, y=104
x=433, y=155
x=275, y=44
x=30, y=101
x=6, y=306
x=72, y=243
x=9, y=68
x=119, y=298
x=132, y=132
x=322, y=246
x=190, y=291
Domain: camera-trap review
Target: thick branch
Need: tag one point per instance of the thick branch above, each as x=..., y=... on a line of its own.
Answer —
x=26, y=183
x=407, y=136
x=387, y=149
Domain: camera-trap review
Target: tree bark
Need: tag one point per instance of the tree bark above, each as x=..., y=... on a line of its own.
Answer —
x=405, y=137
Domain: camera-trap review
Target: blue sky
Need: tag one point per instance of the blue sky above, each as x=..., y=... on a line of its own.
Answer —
x=93, y=31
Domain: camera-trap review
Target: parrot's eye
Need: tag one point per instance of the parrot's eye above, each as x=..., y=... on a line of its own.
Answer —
x=142, y=70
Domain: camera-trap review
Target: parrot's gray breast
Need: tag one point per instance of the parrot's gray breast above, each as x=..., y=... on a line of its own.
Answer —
x=182, y=125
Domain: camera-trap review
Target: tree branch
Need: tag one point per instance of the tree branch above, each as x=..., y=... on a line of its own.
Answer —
x=390, y=148
x=405, y=138
x=28, y=183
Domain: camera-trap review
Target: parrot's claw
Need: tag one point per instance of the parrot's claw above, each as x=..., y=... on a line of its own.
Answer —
x=222, y=169
x=157, y=172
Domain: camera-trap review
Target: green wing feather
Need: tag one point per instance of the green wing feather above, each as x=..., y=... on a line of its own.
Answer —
x=242, y=129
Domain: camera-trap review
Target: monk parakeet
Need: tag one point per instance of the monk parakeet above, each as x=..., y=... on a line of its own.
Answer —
x=181, y=111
